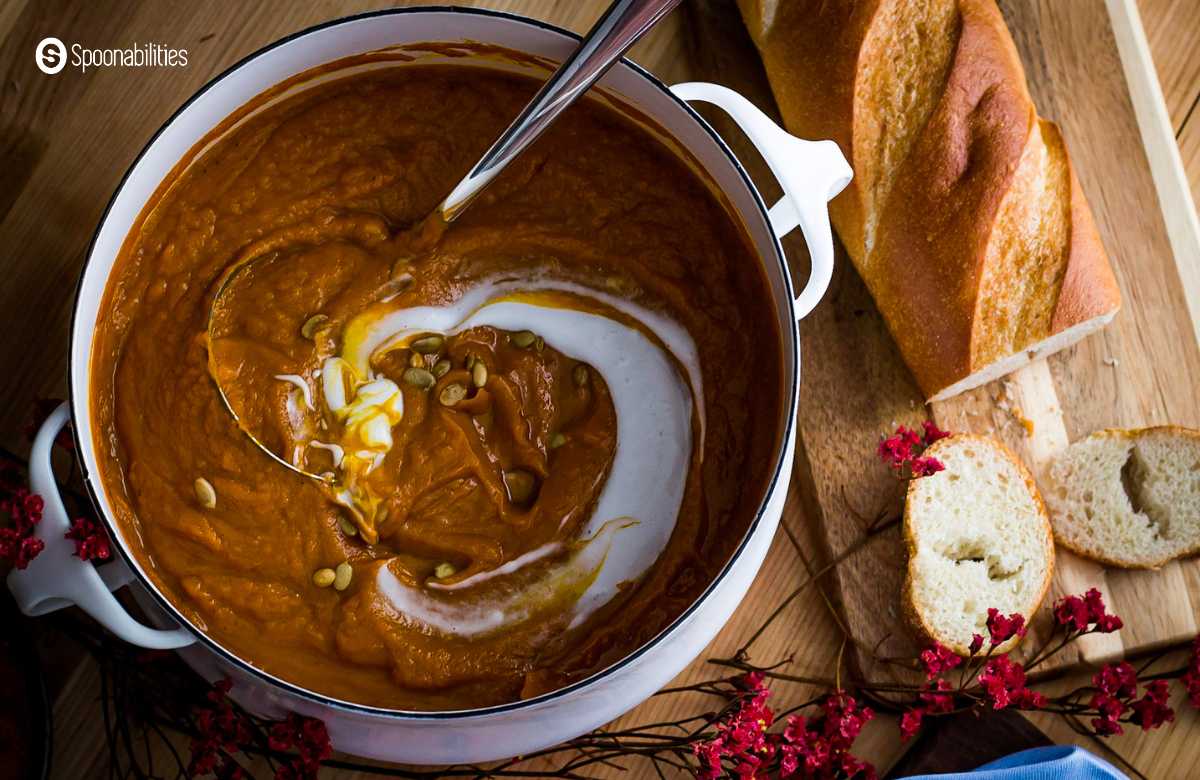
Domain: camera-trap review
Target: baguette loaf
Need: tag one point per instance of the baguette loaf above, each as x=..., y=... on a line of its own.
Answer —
x=964, y=219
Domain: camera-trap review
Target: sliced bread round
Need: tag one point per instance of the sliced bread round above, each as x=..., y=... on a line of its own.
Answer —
x=1128, y=497
x=978, y=537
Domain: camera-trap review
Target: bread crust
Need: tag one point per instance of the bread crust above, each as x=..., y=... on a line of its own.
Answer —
x=1089, y=288
x=910, y=607
x=934, y=226
x=1132, y=434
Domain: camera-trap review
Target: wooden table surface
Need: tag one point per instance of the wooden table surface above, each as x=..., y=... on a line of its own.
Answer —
x=1173, y=30
x=64, y=143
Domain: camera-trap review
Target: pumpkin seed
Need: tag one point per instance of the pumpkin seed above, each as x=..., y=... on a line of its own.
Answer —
x=470, y=361
x=579, y=375
x=342, y=576
x=427, y=345
x=523, y=338
x=557, y=440
x=205, y=493
x=416, y=361
x=314, y=323
x=452, y=393
x=418, y=377
x=348, y=528
x=323, y=578
x=394, y=286
x=479, y=374
x=441, y=368
x=539, y=344
x=520, y=485
x=444, y=570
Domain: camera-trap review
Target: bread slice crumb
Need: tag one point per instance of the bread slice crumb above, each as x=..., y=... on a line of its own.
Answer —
x=978, y=536
x=1128, y=498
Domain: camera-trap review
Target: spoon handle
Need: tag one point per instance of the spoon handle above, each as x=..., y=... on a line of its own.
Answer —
x=621, y=25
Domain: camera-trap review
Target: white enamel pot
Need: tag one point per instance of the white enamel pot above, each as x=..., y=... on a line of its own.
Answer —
x=810, y=173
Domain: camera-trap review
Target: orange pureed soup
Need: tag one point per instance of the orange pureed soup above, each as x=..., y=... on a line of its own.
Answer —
x=541, y=436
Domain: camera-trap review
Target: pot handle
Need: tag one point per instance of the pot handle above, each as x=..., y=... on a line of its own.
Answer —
x=810, y=173
x=58, y=578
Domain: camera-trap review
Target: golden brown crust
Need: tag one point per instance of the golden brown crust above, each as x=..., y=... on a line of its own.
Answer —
x=938, y=212
x=910, y=608
x=810, y=50
x=934, y=230
x=1089, y=289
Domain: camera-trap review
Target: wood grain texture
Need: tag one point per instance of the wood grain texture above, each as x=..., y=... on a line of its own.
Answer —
x=1173, y=31
x=1189, y=149
x=65, y=142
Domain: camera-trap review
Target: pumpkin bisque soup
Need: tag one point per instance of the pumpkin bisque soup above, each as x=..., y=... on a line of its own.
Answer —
x=434, y=470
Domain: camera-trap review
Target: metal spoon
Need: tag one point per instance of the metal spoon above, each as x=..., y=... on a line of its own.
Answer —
x=620, y=27
x=622, y=24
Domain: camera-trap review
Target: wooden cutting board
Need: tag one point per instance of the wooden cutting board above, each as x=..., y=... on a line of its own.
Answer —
x=1143, y=370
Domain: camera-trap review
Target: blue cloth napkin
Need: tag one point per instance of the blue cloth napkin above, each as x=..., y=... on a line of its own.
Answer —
x=1055, y=762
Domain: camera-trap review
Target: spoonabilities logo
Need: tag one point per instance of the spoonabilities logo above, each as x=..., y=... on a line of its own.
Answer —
x=50, y=56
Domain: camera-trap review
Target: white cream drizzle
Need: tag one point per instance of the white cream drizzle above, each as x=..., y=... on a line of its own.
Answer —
x=641, y=496
x=299, y=382
x=534, y=555
x=653, y=406
x=334, y=449
x=470, y=615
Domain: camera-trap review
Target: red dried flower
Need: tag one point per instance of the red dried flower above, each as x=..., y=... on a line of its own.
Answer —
x=18, y=550
x=221, y=732
x=925, y=466
x=976, y=643
x=1002, y=680
x=311, y=740
x=91, y=543
x=24, y=509
x=1109, y=710
x=18, y=545
x=1105, y=623
x=820, y=747
x=1116, y=692
x=937, y=699
x=1001, y=628
x=937, y=660
x=742, y=737
x=1118, y=680
x=844, y=718
x=855, y=767
x=1152, y=710
x=1077, y=613
x=902, y=451
x=897, y=449
x=910, y=723
x=933, y=433
x=1026, y=699
x=1072, y=613
x=1191, y=678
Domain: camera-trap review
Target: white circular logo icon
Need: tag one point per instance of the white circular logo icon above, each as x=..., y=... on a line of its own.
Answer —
x=51, y=56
